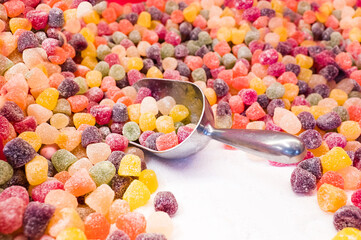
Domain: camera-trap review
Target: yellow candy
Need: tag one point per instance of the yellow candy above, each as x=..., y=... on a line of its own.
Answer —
x=137, y=194
x=305, y=74
x=147, y=122
x=326, y=8
x=135, y=63
x=190, y=13
x=227, y=12
x=179, y=113
x=321, y=150
x=348, y=234
x=154, y=72
x=32, y=138
x=62, y=219
x=339, y=95
x=88, y=35
x=350, y=129
x=291, y=91
x=90, y=51
x=304, y=61
x=130, y=165
x=83, y=118
x=89, y=62
x=69, y=138
x=71, y=234
x=59, y=120
x=224, y=34
x=298, y=109
x=210, y=95
x=92, y=17
x=149, y=178
x=277, y=5
x=355, y=34
x=94, y=78
x=258, y=85
x=19, y=23
x=335, y=159
x=48, y=98
x=237, y=36
x=37, y=170
x=134, y=112
x=165, y=124
x=318, y=111
x=331, y=198
x=144, y=19
x=282, y=32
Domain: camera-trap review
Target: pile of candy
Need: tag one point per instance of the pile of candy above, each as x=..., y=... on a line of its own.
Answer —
x=68, y=108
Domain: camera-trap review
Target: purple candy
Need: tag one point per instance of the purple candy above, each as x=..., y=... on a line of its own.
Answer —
x=329, y=121
x=36, y=218
x=90, y=135
x=307, y=120
x=166, y=202
x=311, y=138
x=18, y=152
x=347, y=216
x=313, y=165
x=302, y=181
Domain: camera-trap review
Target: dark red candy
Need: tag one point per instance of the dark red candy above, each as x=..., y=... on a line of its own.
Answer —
x=347, y=216
x=356, y=198
x=15, y=191
x=95, y=94
x=38, y=19
x=68, y=87
x=302, y=181
x=91, y=135
x=27, y=39
x=307, y=120
x=4, y=128
x=166, y=202
x=119, y=184
x=117, y=142
x=115, y=157
x=12, y=112
x=102, y=114
x=28, y=124
x=36, y=218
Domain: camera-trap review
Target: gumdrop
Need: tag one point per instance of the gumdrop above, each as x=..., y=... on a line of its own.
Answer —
x=36, y=218
x=100, y=199
x=331, y=198
x=18, y=152
x=160, y=222
x=39, y=192
x=312, y=165
x=11, y=214
x=96, y=226
x=132, y=224
x=302, y=181
x=347, y=216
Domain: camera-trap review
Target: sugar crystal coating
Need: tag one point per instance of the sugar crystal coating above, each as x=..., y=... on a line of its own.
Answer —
x=347, y=216
x=18, y=152
x=36, y=218
x=166, y=202
x=313, y=165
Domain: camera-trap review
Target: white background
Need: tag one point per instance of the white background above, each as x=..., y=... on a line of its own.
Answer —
x=225, y=194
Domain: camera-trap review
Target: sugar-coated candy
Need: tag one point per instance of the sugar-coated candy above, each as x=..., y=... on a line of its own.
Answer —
x=11, y=214
x=160, y=222
x=166, y=202
x=137, y=194
x=37, y=170
x=36, y=218
x=302, y=181
x=311, y=138
x=119, y=184
x=96, y=226
x=62, y=159
x=335, y=159
x=331, y=198
x=132, y=224
x=130, y=165
x=347, y=216
x=102, y=172
x=61, y=199
x=63, y=219
x=100, y=199
x=347, y=233
x=6, y=172
x=312, y=165
x=150, y=236
x=71, y=233
x=80, y=183
x=118, y=235
x=18, y=152
x=90, y=135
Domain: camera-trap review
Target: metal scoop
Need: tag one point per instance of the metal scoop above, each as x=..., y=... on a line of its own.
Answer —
x=274, y=146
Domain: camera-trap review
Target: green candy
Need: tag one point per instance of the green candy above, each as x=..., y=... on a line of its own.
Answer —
x=6, y=172
x=102, y=51
x=314, y=98
x=62, y=159
x=131, y=131
x=199, y=75
x=117, y=72
x=102, y=172
x=63, y=106
x=83, y=86
x=102, y=67
x=275, y=90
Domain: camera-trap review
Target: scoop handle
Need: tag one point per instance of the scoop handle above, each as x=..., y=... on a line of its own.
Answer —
x=274, y=146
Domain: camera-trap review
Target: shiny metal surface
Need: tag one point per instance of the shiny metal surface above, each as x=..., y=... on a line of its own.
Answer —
x=275, y=146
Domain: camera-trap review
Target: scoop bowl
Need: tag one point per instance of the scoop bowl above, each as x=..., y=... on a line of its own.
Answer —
x=274, y=146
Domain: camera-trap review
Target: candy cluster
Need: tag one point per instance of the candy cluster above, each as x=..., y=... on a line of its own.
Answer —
x=68, y=109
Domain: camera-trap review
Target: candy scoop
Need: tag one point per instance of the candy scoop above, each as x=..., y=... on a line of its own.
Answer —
x=274, y=146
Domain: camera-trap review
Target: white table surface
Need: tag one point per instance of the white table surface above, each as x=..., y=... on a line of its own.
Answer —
x=224, y=194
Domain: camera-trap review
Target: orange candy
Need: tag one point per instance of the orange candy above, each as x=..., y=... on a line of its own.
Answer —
x=96, y=226
x=331, y=198
x=78, y=103
x=14, y=8
x=132, y=224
